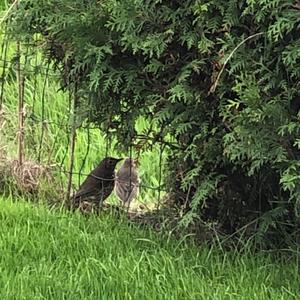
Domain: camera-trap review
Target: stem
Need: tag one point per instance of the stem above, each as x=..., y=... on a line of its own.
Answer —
x=214, y=86
x=72, y=146
x=21, y=81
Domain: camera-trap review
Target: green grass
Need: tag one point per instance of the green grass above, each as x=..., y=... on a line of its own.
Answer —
x=56, y=255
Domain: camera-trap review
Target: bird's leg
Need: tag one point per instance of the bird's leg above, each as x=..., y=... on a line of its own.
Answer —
x=127, y=207
x=128, y=200
x=100, y=206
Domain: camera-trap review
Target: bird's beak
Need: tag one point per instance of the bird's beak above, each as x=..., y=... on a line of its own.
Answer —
x=119, y=159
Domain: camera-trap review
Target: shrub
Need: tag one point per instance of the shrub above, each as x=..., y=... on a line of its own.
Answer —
x=220, y=77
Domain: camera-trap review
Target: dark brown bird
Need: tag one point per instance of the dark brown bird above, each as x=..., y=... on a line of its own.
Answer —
x=127, y=182
x=99, y=183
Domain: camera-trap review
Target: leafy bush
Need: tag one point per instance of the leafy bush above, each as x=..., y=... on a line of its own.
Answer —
x=220, y=77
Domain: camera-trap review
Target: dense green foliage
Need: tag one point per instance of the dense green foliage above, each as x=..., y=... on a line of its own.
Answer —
x=237, y=150
x=57, y=255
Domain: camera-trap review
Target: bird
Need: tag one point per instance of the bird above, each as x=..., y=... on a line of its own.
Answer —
x=98, y=185
x=127, y=182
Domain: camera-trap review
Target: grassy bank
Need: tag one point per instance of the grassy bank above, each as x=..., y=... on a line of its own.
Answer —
x=54, y=255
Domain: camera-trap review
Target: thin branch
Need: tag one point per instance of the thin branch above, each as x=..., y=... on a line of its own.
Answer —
x=73, y=144
x=214, y=86
x=8, y=11
x=21, y=82
x=43, y=114
x=161, y=150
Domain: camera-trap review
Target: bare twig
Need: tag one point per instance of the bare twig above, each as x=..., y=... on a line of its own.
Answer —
x=43, y=114
x=3, y=53
x=161, y=150
x=214, y=86
x=21, y=82
x=72, y=146
x=8, y=11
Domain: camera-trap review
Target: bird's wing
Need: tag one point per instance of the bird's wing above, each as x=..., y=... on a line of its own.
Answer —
x=86, y=193
x=125, y=192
